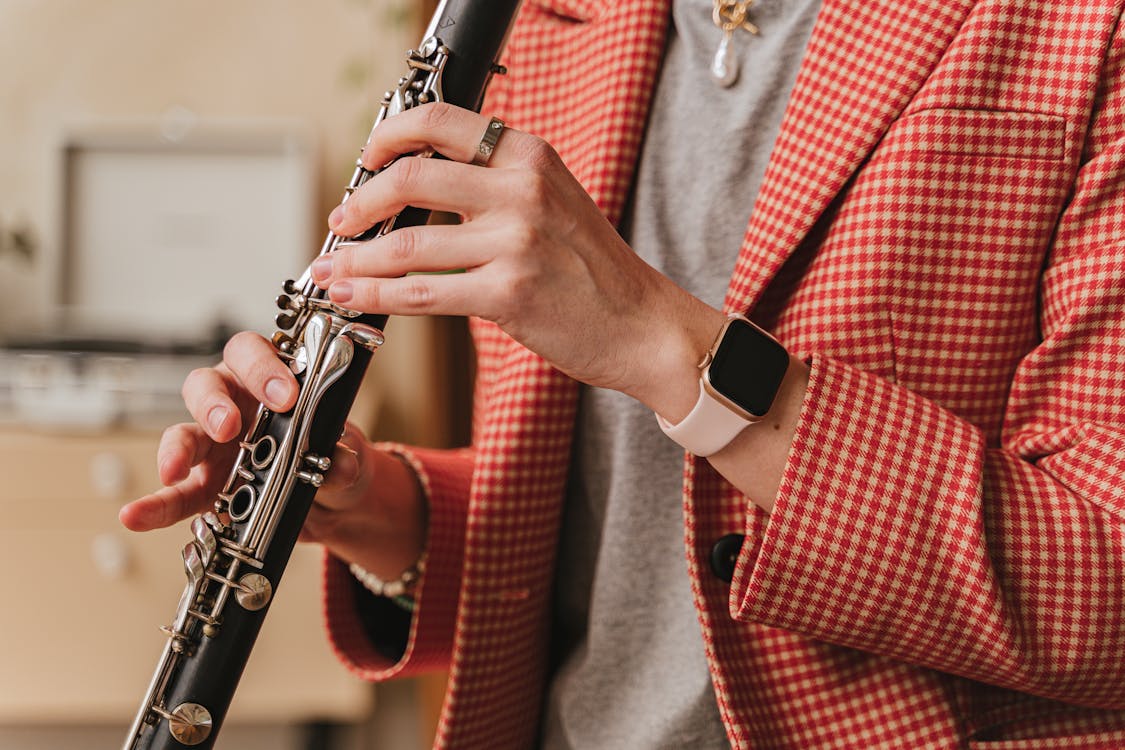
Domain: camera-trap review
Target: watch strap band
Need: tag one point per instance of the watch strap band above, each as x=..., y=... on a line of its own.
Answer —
x=708, y=428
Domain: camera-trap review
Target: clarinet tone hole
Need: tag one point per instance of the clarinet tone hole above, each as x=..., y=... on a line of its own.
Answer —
x=263, y=452
x=242, y=502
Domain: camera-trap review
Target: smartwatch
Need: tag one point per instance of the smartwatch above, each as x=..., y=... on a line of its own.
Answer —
x=739, y=380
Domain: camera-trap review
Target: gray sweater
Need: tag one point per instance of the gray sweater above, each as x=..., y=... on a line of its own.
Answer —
x=629, y=665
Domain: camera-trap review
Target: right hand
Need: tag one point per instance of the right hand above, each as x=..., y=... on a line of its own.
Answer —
x=379, y=524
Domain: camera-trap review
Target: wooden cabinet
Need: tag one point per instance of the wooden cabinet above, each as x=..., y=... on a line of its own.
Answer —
x=83, y=598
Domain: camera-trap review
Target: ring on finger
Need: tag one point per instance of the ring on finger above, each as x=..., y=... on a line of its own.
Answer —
x=488, y=142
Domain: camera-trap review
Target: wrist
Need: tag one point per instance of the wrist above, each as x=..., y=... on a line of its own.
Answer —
x=669, y=384
x=400, y=590
x=389, y=536
x=408, y=512
x=739, y=379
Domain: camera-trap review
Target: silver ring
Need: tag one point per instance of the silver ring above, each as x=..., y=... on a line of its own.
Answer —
x=488, y=142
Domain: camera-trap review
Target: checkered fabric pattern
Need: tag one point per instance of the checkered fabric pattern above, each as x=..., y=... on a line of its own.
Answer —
x=941, y=233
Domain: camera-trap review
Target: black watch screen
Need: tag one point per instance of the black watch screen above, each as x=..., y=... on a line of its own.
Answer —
x=748, y=366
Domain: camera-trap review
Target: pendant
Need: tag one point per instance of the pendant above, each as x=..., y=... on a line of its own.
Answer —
x=724, y=65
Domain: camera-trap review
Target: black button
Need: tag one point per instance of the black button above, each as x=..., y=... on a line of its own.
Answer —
x=724, y=555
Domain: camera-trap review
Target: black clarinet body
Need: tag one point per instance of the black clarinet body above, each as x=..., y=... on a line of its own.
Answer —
x=237, y=554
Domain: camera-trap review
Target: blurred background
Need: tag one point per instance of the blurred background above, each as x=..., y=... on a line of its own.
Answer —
x=164, y=166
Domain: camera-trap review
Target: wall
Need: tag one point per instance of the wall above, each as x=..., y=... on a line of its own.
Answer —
x=66, y=63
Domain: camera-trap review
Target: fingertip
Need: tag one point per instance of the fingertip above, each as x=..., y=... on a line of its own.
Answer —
x=341, y=292
x=280, y=393
x=218, y=422
x=343, y=475
x=345, y=464
x=131, y=517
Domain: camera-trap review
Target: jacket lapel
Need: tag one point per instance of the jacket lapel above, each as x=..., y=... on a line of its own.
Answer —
x=601, y=58
x=865, y=61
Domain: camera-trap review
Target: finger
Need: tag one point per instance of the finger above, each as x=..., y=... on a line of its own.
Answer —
x=451, y=131
x=446, y=294
x=340, y=479
x=182, y=446
x=430, y=248
x=254, y=362
x=170, y=505
x=210, y=399
x=432, y=184
x=342, y=485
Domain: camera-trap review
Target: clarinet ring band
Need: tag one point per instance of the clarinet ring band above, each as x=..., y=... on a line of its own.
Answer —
x=488, y=142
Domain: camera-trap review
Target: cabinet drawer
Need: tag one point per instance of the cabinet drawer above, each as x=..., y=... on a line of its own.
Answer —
x=69, y=481
x=84, y=599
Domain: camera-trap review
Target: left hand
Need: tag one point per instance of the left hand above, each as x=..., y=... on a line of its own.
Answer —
x=540, y=258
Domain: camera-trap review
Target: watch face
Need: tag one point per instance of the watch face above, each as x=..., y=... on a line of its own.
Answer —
x=748, y=367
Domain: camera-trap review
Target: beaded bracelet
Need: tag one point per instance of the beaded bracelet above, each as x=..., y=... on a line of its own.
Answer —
x=400, y=591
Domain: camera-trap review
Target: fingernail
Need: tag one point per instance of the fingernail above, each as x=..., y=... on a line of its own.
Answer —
x=336, y=216
x=322, y=268
x=216, y=418
x=277, y=392
x=341, y=292
x=346, y=465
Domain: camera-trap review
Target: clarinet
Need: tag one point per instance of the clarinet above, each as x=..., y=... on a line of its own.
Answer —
x=238, y=552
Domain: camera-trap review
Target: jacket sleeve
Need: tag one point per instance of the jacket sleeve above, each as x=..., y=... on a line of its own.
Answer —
x=898, y=530
x=380, y=647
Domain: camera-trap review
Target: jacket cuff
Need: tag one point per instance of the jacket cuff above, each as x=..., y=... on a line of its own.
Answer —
x=365, y=644
x=849, y=550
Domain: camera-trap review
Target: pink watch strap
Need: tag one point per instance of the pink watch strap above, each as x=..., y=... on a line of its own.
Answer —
x=707, y=428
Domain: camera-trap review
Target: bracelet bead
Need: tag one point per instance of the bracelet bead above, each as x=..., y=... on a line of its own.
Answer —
x=399, y=590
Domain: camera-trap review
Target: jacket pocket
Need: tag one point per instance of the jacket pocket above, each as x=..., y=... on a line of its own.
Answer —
x=971, y=132
x=970, y=201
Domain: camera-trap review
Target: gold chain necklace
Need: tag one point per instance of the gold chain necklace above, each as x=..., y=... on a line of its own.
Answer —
x=729, y=16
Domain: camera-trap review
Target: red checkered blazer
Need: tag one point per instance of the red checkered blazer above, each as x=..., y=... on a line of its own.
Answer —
x=942, y=233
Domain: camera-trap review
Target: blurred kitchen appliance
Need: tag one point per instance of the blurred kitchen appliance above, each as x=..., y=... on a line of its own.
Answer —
x=174, y=234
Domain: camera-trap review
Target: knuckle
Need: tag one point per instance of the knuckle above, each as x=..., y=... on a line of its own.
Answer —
x=435, y=115
x=526, y=236
x=196, y=376
x=536, y=190
x=343, y=262
x=367, y=296
x=418, y=294
x=237, y=344
x=402, y=246
x=177, y=434
x=517, y=287
x=539, y=155
x=249, y=367
x=404, y=173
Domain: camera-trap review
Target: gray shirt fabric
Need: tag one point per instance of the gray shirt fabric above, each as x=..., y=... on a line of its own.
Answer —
x=629, y=664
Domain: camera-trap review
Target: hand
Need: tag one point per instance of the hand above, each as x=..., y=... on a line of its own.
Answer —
x=540, y=259
x=381, y=525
